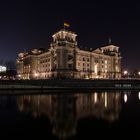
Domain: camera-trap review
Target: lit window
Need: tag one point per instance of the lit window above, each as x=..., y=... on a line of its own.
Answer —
x=96, y=69
x=105, y=61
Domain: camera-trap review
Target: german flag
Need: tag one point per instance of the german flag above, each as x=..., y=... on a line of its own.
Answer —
x=66, y=24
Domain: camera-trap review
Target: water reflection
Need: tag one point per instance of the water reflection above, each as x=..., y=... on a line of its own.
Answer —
x=139, y=95
x=64, y=110
x=125, y=98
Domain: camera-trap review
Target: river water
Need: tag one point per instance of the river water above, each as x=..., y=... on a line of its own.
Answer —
x=69, y=115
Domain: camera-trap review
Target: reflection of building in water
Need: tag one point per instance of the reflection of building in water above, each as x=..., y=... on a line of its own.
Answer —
x=64, y=115
x=64, y=111
x=101, y=105
x=36, y=105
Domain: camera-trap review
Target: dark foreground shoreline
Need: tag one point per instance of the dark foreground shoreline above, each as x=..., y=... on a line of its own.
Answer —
x=68, y=85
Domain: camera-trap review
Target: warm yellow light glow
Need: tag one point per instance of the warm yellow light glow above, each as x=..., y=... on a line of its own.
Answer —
x=125, y=98
x=139, y=73
x=36, y=74
x=106, y=62
x=106, y=100
x=125, y=72
x=96, y=70
x=139, y=95
x=95, y=97
x=86, y=77
x=117, y=69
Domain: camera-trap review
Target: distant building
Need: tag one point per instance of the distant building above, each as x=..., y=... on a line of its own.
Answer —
x=65, y=60
x=3, y=69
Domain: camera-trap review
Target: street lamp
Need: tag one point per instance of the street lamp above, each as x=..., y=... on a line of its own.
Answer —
x=36, y=75
x=125, y=72
x=19, y=76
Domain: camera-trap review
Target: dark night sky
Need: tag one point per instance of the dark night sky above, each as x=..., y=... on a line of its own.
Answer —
x=29, y=24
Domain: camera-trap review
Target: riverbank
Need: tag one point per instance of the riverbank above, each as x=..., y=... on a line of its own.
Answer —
x=71, y=84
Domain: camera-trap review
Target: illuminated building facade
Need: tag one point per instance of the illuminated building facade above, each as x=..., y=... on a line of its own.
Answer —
x=64, y=59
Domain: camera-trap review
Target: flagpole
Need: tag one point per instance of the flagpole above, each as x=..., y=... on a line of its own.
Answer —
x=66, y=25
